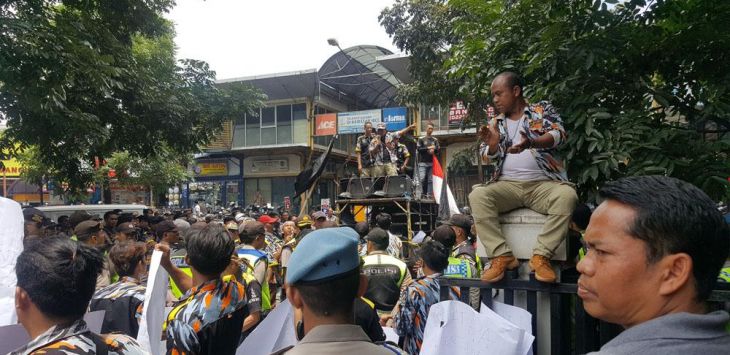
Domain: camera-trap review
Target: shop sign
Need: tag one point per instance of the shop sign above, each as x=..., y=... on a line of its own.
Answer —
x=12, y=168
x=395, y=118
x=211, y=168
x=325, y=124
x=269, y=165
x=352, y=122
x=457, y=112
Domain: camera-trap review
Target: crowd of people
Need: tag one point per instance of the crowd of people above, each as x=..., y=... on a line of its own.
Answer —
x=651, y=254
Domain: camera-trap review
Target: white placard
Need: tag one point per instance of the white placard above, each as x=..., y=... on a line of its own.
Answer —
x=274, y=333
x=153, y=311
x=450, y=330
x=11, y=245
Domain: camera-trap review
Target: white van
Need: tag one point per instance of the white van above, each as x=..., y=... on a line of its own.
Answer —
x=53, y=212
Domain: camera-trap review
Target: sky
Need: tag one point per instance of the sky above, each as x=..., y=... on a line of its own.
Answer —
x=244, y=38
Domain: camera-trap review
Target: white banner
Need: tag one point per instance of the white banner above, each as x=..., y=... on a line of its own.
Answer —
x=352, y=122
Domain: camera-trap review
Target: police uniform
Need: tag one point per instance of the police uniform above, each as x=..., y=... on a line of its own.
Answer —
x=325, y=254
x=386, y=274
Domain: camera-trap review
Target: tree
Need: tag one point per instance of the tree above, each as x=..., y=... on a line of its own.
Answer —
x=637, y=82
x=158, y=172
x=81, y=80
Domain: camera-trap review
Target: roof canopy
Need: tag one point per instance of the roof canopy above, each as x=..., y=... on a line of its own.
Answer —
x=352, y=76
x=355, y=72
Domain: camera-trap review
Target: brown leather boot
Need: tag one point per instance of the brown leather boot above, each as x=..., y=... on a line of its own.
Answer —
x=542, y=268
x=498, y=266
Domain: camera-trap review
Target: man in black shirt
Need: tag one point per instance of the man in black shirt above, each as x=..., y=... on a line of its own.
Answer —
x=428, y=147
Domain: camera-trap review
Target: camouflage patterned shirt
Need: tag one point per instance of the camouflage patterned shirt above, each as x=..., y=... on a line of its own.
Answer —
x=77, y=339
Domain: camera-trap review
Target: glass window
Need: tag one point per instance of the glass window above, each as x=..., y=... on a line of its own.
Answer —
x=300, y=126
x=253, y=133
x=300, y=129
x=283, y=124
x=268, y=136
x=239, y=135
x=284, y=187
x=268, y=117
x=299, y=111
x=232, y=188
x=258, y=191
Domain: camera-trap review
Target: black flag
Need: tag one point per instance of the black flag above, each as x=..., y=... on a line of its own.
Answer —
x=314, y=169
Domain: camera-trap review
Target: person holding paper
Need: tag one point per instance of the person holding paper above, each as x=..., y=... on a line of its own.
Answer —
x=123, y=300
x=56, y=279
x=322, y=284
x=208, y=319
x=655, y=246
x=417, y=299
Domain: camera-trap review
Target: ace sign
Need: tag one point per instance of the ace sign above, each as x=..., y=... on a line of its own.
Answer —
x=325, y=124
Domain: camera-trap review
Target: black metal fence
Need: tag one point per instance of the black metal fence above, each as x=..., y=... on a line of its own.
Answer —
x=572, y=330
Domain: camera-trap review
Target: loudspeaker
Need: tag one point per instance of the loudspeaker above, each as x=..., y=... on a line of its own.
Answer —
x=397, y=186
x=377, y=189
x=391, y=186
x=357, y=187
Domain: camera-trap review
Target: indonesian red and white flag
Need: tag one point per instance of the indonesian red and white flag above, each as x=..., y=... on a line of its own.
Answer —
x=438, y=182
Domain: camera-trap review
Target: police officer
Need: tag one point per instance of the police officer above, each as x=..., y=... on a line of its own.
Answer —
x=459, y=267
x=35, y=220
x=387, y=276
x=322, y=283
x=464, y=244
x=254, y=260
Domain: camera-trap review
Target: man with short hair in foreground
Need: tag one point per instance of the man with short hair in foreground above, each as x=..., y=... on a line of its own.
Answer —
x=322, y=283
x=56, y=279
x=655, y=247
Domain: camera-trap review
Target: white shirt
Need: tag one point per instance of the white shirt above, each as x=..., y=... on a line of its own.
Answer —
x=522, y=166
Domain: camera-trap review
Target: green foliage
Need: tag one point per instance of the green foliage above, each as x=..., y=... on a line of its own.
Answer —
x=159, y=172
x=85, y=79
x=626, y=77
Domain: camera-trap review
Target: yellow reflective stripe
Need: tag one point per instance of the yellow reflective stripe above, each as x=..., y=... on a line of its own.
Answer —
x=724, y=274
x=369, y=302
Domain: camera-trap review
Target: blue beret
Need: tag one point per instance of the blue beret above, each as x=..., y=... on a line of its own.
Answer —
x=324, y=253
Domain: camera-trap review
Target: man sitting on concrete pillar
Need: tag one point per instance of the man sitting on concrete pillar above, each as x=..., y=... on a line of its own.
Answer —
x=522, y=142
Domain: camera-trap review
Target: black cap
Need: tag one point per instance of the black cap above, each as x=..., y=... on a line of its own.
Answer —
x=461, y=220
x=125, y=227
x=377, y=236
x=165, y=226
x=32, y=214
x=78, y=217
x=252, y=229
x=86, y=228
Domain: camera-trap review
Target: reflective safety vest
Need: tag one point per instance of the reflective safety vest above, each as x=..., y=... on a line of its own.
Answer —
x=457, y=268
x=470, y=251
x=385, y=276
x=179, y=261
x=252, y=256
x=724, y=275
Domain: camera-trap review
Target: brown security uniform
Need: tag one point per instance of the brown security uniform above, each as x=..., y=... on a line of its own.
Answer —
x=339, y=339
